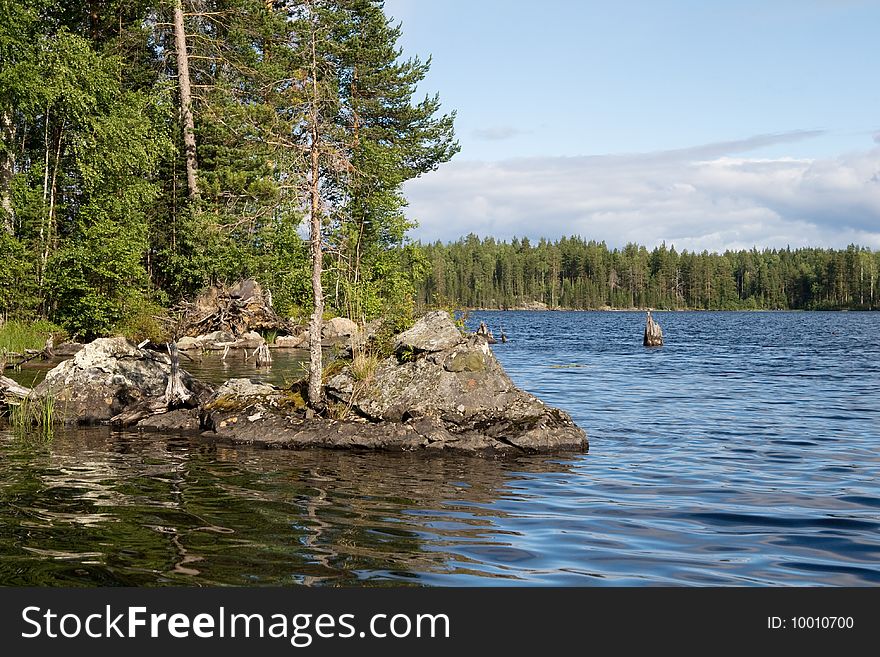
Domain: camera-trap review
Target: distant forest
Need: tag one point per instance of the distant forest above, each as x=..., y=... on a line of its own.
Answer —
x=579, y=274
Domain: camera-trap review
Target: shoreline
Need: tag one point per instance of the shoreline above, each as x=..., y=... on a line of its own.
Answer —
x=673, y=310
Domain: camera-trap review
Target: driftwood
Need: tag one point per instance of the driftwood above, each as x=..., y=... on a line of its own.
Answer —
x=653, y=332
x=11, y=392
x=237, y=310
x=177, y=395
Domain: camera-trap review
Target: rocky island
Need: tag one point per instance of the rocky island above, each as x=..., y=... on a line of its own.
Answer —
x=438, y=389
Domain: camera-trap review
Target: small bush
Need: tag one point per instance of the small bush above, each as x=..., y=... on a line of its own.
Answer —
x=141, y=323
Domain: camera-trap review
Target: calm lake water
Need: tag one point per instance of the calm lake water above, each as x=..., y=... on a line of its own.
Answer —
x=744, y=452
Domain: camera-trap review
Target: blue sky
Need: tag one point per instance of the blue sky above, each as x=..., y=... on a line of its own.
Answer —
x=708, y=124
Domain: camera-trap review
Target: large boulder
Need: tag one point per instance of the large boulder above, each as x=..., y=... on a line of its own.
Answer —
x=458, y=397
x=107, y=377
x=433, y=332
x=338, y=328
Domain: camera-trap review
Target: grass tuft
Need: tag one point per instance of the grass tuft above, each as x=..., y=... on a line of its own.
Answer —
x=17, y=337
x=34, y=418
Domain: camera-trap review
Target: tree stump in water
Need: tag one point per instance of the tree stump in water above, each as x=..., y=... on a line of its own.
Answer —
x=486, y=333
x=176, y=392
x=263, y=357
x=653, y=333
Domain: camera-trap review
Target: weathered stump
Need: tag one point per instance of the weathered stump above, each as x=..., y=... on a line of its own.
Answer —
x=653, y=333
x=263, y=357
x=176, y=392
x=486, y=333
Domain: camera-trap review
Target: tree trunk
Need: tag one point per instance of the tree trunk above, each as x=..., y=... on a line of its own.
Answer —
x=7, y=168
x=186, y=115
x=316, y=367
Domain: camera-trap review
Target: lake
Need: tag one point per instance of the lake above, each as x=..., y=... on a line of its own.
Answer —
x=746, y=451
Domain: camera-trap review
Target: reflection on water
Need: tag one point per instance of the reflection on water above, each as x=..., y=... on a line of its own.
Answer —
x=745, y=451
x=119, y=508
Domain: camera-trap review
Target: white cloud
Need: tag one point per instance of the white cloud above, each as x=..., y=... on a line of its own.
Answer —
x=696, y=198
x=497, y=133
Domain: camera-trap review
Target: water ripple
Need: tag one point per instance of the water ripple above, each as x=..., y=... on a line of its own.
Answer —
x=744, y=452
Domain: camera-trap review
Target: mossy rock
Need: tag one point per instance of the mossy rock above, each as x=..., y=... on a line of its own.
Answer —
x=468, y=361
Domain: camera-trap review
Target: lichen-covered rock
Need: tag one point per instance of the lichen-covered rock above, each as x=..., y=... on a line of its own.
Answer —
x=443, y=391
x=250, y=400
x=242, y=390
x=107, y=377
x=459, y=398
x=433, y=332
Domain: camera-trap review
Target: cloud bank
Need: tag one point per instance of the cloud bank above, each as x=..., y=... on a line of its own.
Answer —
x=705, y=197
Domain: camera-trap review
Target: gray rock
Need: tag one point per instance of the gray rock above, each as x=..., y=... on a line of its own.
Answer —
x=444, y=392
x=338, y=328
x=184, y=420
x=107, y=377
x=216, y=340
x=243, y=389
x=433, y=332
x=300, y=341
x=250, y=340
x=188, y=343
x=460, y=399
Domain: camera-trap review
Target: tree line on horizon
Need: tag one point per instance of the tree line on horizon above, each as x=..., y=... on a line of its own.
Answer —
x=576, y=273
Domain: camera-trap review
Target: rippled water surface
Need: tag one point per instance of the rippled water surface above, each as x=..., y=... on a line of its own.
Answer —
x=744, y=452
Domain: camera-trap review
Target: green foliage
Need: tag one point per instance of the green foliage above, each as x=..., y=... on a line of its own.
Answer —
x=141, y=321
x=101, y=220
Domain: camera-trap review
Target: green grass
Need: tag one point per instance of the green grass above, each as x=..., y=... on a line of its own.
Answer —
x=34, y=418
x=16, y=337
